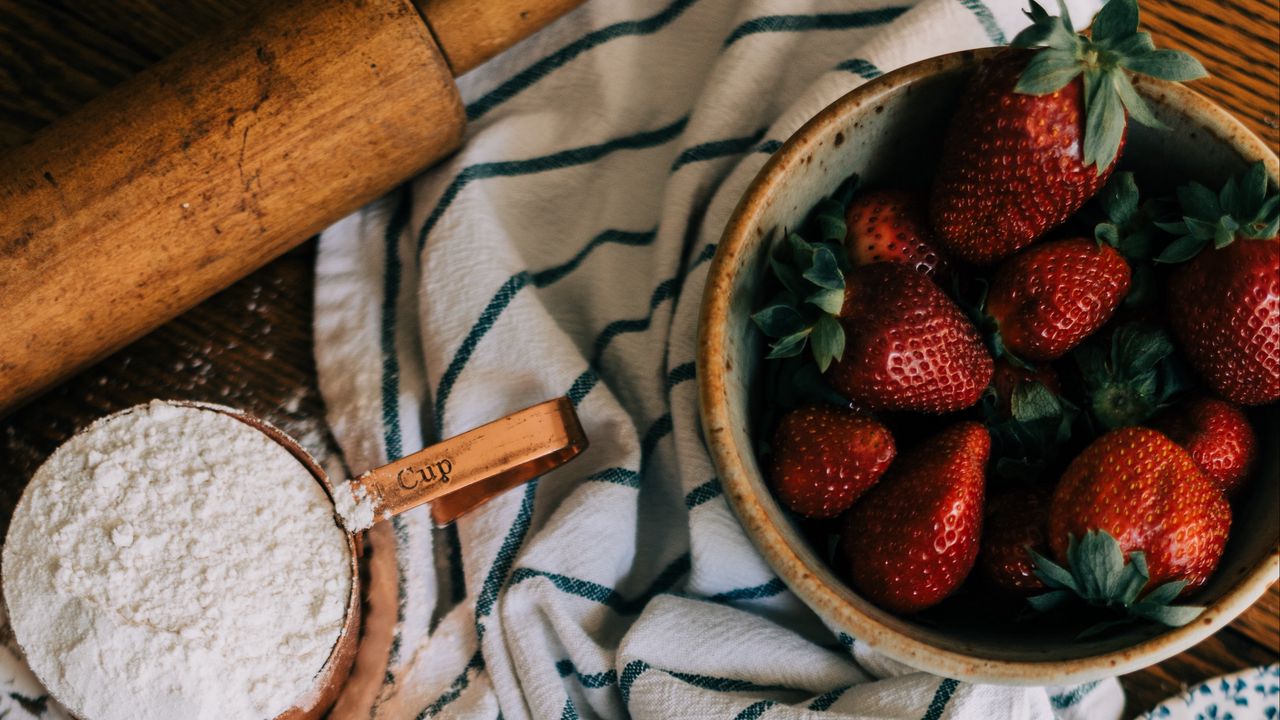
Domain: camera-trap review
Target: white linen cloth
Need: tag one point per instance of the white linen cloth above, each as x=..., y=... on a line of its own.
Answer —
x=563, y=250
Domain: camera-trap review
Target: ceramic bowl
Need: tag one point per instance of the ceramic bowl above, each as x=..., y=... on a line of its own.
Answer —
x=888, y=131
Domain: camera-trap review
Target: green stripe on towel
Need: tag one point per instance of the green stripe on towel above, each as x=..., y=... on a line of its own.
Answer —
x=591, y=681
x=820, y=21
x=824, y=701
x=717, y=149
x=861, y=68
x=460, y=683
x=706, y=491
x=505, y=556
x=1073, y=696
x=483, y=324
x=540, y=69
x=941, y=697
x=755, y=592
x=607, y=596
x=553, y=161
x=987, y=20
x=617, y=476
x=681, y=373
x=754, y=710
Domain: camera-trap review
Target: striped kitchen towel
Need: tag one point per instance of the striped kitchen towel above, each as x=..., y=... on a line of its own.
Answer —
x=562, y=251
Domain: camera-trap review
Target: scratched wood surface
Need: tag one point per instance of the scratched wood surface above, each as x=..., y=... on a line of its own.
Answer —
x=250, y=346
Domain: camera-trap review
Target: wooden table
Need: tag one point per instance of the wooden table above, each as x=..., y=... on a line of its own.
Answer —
x=250, y=346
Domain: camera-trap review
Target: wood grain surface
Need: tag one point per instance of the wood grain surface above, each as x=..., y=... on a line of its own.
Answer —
x=235, y=149
x=250, y=346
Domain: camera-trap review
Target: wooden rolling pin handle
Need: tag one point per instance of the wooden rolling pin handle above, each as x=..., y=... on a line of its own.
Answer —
x=201, y=169
x=470, y=32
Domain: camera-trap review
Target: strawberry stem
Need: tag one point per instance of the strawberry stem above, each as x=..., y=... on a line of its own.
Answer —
x=807, y=268
x=1115, y=45
x=1097, y=574
x=1245, y=207
x=1131, y=377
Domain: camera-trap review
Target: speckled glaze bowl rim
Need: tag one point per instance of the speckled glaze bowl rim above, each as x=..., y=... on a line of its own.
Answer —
x=737, y=478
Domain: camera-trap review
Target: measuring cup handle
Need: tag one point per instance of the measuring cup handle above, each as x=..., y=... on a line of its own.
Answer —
x=478, y=464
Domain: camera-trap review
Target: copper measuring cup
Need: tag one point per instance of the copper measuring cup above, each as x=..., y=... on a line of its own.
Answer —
x=455, y=476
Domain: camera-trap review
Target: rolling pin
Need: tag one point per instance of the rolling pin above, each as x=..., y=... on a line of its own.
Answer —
x=199, y=170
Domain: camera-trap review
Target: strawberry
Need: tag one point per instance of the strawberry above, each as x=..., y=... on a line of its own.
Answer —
x=825, y=458
x=892, y=226
x=1145, y=491
x=912, y=540
x=1037, y=132
x=1224, y=302
x=1218, y=437
x=908, y=346
x=1048, y=298
x=1008, y=377
x=1224, y=309
x=1015, y=522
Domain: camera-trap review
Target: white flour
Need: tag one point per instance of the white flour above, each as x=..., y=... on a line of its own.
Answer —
x=172, y=562
x=354, y=506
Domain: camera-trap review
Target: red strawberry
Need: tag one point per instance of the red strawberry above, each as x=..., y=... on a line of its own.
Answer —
x=1050, y=297
x=908, y=346
x=1011, y=165
x=891, y=226
x=1224, y=303
x=1015, y=521
x=1218, y=437
x=1007, y=377
x=912, y=540
x=1017, y=158
x=1224, y=310
x=1145, y=491
x=825, y=458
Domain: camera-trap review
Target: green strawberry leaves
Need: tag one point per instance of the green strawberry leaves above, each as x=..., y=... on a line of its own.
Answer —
x=1048, y=71
x=1116, y=45
x=1131, y=223
x=1129, y=379
x=1027, y=444
x=801, y=314
x=828, y=335
x=1104, y=121
x=810, y=280
x=1245, y=207
x=1032, y=402
x=1115, y=22
x=779, y=320
x=1097, y=574
x=1173, y=65
x=1129, y=227
x=1045, y=29
x=805, y=286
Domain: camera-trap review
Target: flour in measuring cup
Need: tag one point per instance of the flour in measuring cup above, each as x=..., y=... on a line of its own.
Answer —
x=354, y=506
x=174, y=562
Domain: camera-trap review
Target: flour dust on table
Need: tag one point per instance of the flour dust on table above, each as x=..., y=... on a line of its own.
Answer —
x=172, y=562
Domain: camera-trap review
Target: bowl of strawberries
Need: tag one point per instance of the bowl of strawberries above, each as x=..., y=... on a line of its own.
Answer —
x=989, y=359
